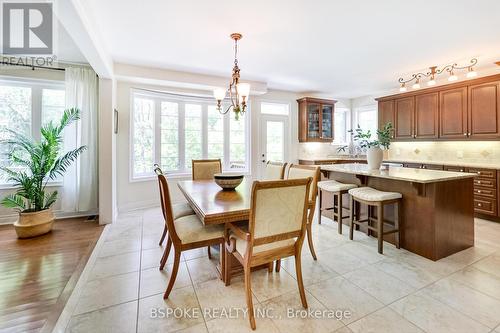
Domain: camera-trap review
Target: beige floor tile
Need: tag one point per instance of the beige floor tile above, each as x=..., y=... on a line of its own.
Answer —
x=469, y=256
x=241, y=325
x=114, y=319
x=363, y=252
x=159, y=315
x=154, y=281
x=415, y=276
x=114, y=265
x=434, y=316
x=202, y=269
x=117, y=232
x=490, y=265
x=289, y=315
x=339, y=294
x=101, y=293
x=151, y=258
x=269, y=285
x=119, y=246
x=340, y=261
x=384, y=320
x=213, y=294
x=379, y=284
x=201, y=252
x=151, y=241
x=475, y=304
x=199, y=328
x=344, y=329
x=479, y=280
x=313, y=271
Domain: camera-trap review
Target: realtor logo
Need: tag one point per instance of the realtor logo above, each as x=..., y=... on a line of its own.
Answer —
x=27, y=28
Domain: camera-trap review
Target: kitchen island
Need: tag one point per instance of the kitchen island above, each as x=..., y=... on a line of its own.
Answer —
x=437, y=211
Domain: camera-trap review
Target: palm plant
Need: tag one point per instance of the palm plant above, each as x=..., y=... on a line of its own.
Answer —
x=35, y=163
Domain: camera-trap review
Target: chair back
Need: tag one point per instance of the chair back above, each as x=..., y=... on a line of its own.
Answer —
x=274, y=171
x=166, y=207
x=278, y=210
x=304, y=171
x=206, y=169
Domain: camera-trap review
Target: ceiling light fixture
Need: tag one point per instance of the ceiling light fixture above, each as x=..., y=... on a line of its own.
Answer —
x=434, y=71
x=238, y=91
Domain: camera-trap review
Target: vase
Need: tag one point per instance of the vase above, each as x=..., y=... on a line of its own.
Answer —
x=33, y=224
x=374, y=156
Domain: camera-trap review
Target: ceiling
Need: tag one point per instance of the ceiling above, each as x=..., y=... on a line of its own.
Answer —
x=341, y=48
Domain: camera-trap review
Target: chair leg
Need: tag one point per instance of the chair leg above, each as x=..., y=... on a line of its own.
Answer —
x=351, y=218
x=278, y=265
x=270, y=267
x=339, y=212
x=396, y=224
x=380, y=228
x=248, y=294
x=369, y=223
x=300, y=282
x=163, y=235
x=320, y=198
x=310, y=240
x=228, y=268
x=177, y=259
x=209, y=252
x=166, y=253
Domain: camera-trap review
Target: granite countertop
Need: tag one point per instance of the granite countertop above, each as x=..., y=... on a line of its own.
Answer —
x=448, y=163
x=335, y=158
x=399, y=173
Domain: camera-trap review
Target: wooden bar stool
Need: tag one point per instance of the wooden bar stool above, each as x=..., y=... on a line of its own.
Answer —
x=376, y=199
x=337, y=189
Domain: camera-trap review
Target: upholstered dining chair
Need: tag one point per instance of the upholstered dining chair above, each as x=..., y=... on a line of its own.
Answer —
x=185, y=233
x=205, y=170
x=178, y=210
x=274, y=171
x=303, y=171
x=275, y=230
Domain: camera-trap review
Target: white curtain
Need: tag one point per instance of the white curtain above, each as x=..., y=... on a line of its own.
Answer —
x=81, y=92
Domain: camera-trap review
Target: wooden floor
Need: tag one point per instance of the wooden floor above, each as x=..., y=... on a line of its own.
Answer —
x=37, y=275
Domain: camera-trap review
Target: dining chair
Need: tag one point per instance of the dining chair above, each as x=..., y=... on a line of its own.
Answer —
x=274, y=170
x=303, y=171
x=205, y=170
x=178, y=210
x=275, y=230
x=185, y=233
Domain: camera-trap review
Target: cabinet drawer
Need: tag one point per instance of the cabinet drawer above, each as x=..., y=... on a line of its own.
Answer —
x=432, y=167
x=485, y=205
x=455, y=169
x=413, y=165
x=484, y=173
x=491, y=183
x=485, y=192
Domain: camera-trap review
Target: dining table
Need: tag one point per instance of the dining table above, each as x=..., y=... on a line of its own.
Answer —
x=213, y=205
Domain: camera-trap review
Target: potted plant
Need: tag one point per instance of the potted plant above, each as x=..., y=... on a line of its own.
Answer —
x=373, y=147
x=32, y=165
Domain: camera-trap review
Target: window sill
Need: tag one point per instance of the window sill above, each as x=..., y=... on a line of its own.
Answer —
x=12, y=187
x=181, y=176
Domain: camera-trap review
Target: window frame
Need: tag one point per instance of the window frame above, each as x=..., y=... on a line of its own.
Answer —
x=37, y=86
x=182, y=100
x=348, y=125
x=362, y=109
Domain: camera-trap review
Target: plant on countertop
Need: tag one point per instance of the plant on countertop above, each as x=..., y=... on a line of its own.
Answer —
x=35, y=163
x=365, y=141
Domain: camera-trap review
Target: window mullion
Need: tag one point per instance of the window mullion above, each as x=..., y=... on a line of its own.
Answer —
x=157, y=132
x=204, y=130
x=227, y=134
x=36, y=111
x=182, y=137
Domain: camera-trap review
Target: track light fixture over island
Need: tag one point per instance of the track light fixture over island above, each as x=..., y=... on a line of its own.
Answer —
x=435, y=71
x=238, y=91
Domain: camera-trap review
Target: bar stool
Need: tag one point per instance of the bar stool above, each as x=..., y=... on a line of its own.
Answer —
x=376, y=199
x=337, y=189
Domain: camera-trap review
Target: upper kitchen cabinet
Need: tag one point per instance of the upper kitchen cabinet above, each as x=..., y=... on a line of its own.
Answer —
x=386, y=113
x=453, y=113
x=316, y=119
x=404, y=117
x=484, y=110
x=427, y=116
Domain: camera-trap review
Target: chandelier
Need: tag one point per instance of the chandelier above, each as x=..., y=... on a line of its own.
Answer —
x=434, y=71
x=238, y=91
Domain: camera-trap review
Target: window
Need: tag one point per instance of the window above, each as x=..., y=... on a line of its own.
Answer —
x=189, y=128
x=341, y=120
x=25, y=106
x=274, y=108
x=366, y=118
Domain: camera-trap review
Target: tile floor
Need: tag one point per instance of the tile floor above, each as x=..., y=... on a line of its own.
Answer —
x=394, y=292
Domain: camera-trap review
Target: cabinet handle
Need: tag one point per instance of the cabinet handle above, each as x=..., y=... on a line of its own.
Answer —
x=478, y=191
x=465, y=134
x=468, y=134
x=461, y=170
x=479, y=205
x=479, y=172
x=479, y=182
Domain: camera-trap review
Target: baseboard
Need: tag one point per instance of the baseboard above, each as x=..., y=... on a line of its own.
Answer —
x=131, y=206
x=11, y=218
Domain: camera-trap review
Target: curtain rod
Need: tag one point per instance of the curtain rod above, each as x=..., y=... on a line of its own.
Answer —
x=32, y=66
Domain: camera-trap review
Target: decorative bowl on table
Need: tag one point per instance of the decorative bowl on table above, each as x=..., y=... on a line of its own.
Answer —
x=228, y=182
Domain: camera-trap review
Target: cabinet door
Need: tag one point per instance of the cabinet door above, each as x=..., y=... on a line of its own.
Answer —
x=327, y=121
x=453, y=113
x=484, y=110
x=427, y=116
x=386, y=113
x=313, y=121
x=404, y=117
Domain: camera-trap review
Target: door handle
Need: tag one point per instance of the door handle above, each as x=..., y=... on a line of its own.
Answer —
x=263, y=161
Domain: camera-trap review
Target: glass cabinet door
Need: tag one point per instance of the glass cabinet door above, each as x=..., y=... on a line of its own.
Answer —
x=327, y=121
x=313, y=128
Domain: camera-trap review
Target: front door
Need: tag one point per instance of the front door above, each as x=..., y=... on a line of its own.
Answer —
x=274, y=139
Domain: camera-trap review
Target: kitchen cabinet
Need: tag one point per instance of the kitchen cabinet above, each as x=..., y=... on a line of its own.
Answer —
x=316, y=119
x=386, y=114
x=484, y=110
x=427, y=116
x=453, y=113
x=404, y=117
